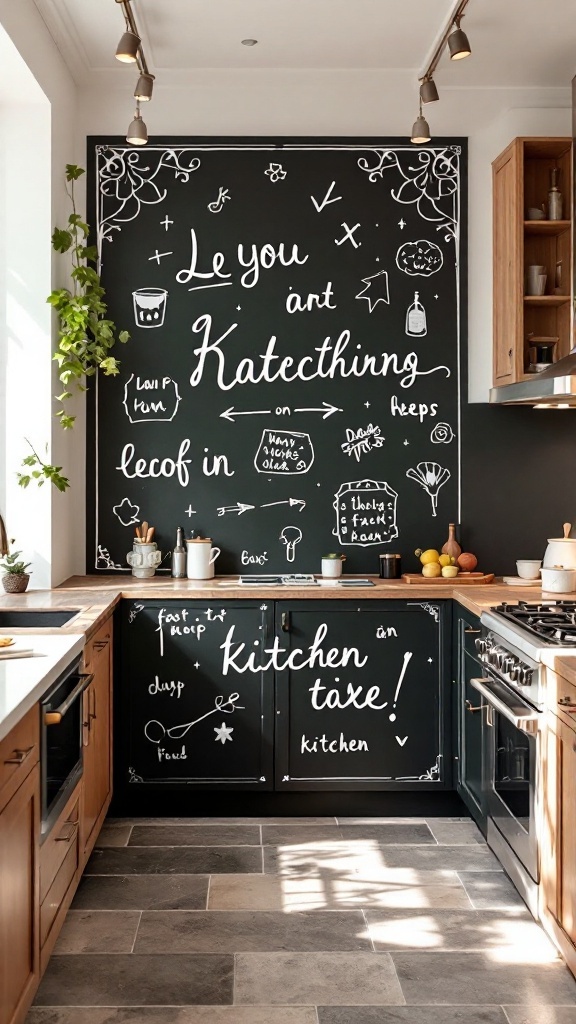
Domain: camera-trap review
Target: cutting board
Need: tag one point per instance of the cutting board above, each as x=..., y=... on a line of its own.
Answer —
x=476, y=578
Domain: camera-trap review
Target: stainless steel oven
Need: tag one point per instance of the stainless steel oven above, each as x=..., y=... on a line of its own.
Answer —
x=61, y=742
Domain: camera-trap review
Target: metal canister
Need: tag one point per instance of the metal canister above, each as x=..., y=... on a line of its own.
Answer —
x=390, y=567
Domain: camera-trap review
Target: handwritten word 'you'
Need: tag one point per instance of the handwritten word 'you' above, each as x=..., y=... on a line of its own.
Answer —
x=252, y=258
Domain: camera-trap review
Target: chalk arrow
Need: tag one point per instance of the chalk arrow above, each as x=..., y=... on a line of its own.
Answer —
x=326, y=201
x=327, y=409
x=289, y=501
x=230, y=413
x=239, y=508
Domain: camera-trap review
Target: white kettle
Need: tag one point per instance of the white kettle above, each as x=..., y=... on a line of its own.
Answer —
x=561, y=551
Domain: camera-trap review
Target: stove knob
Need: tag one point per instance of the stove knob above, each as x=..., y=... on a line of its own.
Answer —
x=508, y=664
x=526, y=677
x=480, y=645
x=514, y=673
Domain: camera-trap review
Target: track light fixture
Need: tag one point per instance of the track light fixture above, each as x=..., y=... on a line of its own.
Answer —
x=428, y=91
x=130, y=51
x=420, y=129
x=459, y=47
x=458, y=43
x=127, y=50
x=137, y=134
x=144, y=88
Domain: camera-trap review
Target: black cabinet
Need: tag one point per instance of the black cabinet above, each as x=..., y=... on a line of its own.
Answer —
x=468, y=714
x=361, y=695
x=194, y=700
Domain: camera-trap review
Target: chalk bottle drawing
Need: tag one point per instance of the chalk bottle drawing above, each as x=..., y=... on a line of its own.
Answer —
x=416, y=319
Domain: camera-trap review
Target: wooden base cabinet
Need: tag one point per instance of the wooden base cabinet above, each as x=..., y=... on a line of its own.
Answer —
x=96, y=738
x=468, y=715
x=558, y=864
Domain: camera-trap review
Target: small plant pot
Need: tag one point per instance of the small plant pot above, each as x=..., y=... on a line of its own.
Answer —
x=15, y=582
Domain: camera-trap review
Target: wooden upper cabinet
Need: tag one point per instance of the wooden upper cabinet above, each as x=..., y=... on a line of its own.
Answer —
x=521, y=180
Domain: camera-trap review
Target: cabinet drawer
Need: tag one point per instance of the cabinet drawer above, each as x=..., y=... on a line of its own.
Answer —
x=19, y=752
x=62, y=838
x=99, y=644
x=470, y=631
x=57, y=891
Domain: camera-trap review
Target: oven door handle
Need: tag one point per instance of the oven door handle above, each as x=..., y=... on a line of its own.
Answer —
x=55, y=717
x=517, y=712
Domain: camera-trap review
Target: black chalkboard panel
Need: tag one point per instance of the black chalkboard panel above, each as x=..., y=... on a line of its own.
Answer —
x=362, y=701
x=291, y=386
x=181, y=719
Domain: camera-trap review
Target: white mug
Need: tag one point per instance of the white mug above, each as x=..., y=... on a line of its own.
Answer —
x=200, y=558
x=332, y=567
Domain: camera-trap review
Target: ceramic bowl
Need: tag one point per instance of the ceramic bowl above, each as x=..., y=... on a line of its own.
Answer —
x=528, y=568
x=558, y=580
x=535, y=214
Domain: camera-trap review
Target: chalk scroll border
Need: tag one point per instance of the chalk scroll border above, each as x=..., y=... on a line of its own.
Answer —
x=437, y=169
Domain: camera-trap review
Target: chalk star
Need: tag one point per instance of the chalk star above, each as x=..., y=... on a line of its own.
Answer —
x=238, y=307
x=158, y=256
x=435, y=296
x=378, y=282
x=430, y=660
x=223, y=733
x=190, y=511
x=367, y=404
x=377, y=259
x=196, y=664
x=166, y=222
x=406, y=442
x=401, y=224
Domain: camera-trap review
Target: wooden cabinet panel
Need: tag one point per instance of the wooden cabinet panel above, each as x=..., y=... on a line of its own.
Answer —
x=19, y=751
x=19, y=842
x=96, y=733
x=508, y=289
x=558, y=869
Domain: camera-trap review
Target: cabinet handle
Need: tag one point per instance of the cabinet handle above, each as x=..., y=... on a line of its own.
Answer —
x=567, y=704
x=19, y=756
x=55, y=717
x=470, y=630
x=69, y=836
x=469, y=707
x=99, y=645
x=285, y=622
x=92, y=694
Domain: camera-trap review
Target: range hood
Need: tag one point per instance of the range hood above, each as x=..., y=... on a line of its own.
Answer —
x=554, y=387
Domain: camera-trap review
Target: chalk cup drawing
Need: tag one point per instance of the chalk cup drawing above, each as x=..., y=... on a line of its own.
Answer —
x=431, y=477
x=223, y=197
x=149, y=306
x=416, y=326
x=151, y=399
x=376, y=290
x=442, y=433
x=285, y=452
x=275, y=172
x=126, y=512
x=363, y=440
x=291, y=536
x=156, y=732
x=420, y=258
x=365, y=513
x=223, y=733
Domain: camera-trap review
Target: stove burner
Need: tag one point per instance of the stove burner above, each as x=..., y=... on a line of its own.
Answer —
x=554, y=622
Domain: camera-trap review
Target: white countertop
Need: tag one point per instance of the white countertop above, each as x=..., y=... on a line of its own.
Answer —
x=24, y=681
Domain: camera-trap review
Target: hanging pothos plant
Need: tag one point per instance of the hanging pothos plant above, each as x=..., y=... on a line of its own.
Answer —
x=85, y=335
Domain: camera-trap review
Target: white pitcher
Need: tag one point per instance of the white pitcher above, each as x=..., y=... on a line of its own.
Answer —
x=200, y=558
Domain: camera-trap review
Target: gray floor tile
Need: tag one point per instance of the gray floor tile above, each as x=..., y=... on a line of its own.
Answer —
x=114, y=835
x=442, y=930
x=243, y=931
x=304, y=820
x=144, y=892
x=276, y=835
x=174, y=1015
x=455, y=833
x=453, y=978
x=129, y=980
x=409, y=1015
x=540, y=1014
x=195, y=835
x=327, y=857
x=386, y=834
x=319, y=978
x=366, y=820
x=490, y=890
x=453, y=858
x=98, y=931
x=184, y=860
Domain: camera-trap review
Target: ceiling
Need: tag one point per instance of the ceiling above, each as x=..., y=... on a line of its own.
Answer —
x=514, y=42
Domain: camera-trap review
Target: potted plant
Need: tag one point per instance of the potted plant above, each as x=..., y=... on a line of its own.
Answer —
x=15, y=578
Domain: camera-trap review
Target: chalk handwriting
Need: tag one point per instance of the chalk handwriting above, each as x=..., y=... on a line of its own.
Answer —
x=172, y=687
x=420, y=409
x=365, y=513
x=348, y=235
x=155, y=468
x=383, y=632
x=167, y=755
x=280, y=658
x=296, y=304
x=219, y=462
x=361, y=441
x=284, y=452
x=253, y=258
x=281, y=410
x=407, y=659
x=151, y=399
x=321, y=744
x=223, y=197
x=249, y=559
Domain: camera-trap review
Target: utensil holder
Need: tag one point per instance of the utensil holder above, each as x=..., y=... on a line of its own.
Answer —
x=144, y=559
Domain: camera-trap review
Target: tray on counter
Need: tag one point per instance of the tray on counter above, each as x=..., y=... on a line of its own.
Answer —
x=476, y=578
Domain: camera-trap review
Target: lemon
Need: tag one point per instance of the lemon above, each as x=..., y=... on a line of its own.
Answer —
x=445, y=560
x=431, y=570
x=450, y=571
x=430, y=555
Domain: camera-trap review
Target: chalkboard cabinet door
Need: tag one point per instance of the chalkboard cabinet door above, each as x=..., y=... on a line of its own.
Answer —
x=361, y=695
x=469, y=716
x=195, y=704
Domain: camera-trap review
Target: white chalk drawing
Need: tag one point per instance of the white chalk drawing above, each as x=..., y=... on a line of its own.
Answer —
x=134, y=611
x=223, y=733
x=326, y=201
x=442, y=433
x=104, y=559
x=156, y=732
x=133, y=777
x=291, y=536
x=166, y=223
x=149, y=306
x=431, y=477
x=375, y=290
x=284, y=452
x=223, y=197
x=299, y=503
x=126, y=183
x=326, y=409
x=159, y=256
x=405, y=663
x=231, y=414
x=348, y=235
x=151, y=399
x=126, y=512
x=432, y=609
x=430, y=181
x=401, y=224
x=433, y=773
x=239, y=508
x=361, y=441
x=420, y=258
x=401, y=742
x=190, y=511
x=416, y=326
x=365, y=513
x=275, y=172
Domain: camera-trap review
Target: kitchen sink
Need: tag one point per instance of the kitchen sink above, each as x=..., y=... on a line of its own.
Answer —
x=32, y=617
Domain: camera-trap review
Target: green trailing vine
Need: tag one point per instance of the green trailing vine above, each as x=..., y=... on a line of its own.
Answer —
x=85, y=334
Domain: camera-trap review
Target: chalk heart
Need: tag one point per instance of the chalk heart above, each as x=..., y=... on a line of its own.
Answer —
x=401, y=742
x=151, y=399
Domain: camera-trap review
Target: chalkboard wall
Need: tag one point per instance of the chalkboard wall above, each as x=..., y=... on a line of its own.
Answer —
x=291, y=386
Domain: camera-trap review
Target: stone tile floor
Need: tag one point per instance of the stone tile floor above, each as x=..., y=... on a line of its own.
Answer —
x=300, y=921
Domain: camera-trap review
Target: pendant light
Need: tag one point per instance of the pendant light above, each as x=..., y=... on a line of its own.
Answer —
x=458, y=43
x=127, y=50
x=420, y=129
x=428, y=91
x=144, y=88
x=137, y=134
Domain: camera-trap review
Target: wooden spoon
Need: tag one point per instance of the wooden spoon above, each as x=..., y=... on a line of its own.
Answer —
x=567, y=529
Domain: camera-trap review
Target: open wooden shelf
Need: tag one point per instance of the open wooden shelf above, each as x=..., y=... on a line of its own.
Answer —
x=546, y=227
x=546, y=300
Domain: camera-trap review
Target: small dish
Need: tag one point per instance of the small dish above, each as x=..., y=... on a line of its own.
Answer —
x=517, y=581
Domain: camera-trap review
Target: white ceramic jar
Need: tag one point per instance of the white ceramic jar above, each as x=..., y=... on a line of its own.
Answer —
x=200, y=558
x=561, y=551
x=558, y=580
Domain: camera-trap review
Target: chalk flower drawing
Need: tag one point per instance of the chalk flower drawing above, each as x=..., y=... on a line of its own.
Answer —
x=104, y=560
x=376, y=290
x=126, y=512
x=419, y=259
x=223, y=733
x=275, y=172
x=429, y=181
x=127, y=181
x=431, y=477
x=360, y=442
x=442, y=433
